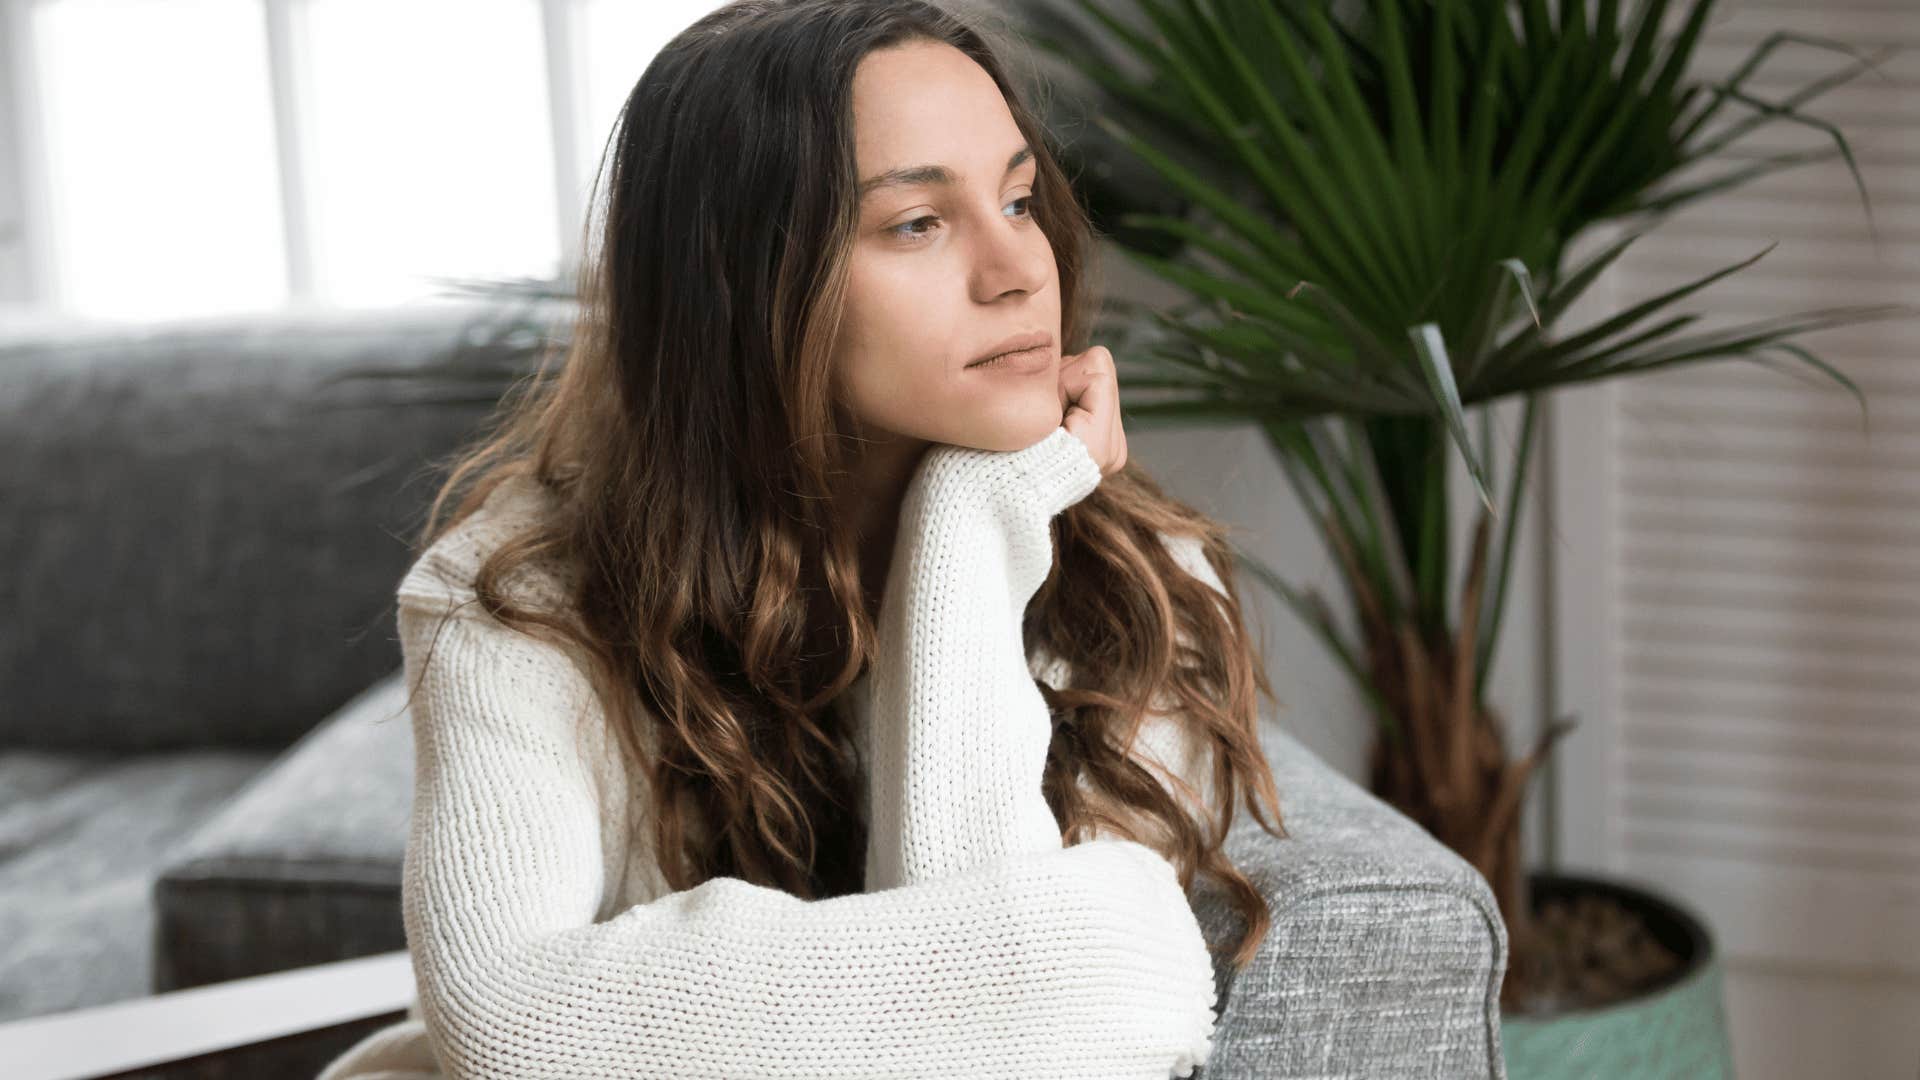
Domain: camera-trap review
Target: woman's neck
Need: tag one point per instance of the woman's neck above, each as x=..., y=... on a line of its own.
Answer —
x=878, y=484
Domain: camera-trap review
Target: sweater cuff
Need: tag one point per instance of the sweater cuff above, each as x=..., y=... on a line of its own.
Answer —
x=1057, y=471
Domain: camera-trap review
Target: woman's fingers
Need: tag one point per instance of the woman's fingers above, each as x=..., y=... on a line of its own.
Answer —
x=1091, y=389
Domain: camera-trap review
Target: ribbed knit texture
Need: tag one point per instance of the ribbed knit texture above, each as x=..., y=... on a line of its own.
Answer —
x=545, y=943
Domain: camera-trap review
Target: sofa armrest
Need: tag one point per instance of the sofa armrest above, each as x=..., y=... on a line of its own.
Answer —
x=302, y=866
x=1387, y=948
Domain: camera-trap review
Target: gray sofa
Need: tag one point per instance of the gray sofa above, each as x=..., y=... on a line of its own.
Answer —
x=205, y=760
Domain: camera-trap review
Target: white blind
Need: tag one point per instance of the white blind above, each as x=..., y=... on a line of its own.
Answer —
x=1766, y=551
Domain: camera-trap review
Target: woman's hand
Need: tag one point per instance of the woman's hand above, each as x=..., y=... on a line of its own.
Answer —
x=1090, y=395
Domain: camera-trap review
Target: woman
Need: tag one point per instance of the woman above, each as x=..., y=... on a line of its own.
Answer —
x=748, y=737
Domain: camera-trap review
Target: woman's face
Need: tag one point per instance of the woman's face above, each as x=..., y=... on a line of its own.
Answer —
x=948, y=262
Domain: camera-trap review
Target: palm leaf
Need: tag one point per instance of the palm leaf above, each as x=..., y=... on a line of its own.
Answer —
x=1386, y=192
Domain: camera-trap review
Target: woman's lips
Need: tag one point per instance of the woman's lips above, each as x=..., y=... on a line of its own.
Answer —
x=1023, y=362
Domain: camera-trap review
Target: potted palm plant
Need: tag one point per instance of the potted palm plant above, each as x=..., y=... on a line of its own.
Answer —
x=1371, y=206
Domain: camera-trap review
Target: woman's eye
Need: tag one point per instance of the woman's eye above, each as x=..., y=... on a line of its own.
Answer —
x=906, y=231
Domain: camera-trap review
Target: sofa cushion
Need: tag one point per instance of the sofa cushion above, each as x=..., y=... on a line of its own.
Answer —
x=206, y=518
x=303, y=865
x=81, y=838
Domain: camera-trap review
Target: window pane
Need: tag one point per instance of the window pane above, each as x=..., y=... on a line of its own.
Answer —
x=430, y=145
x=159, y=138
x=621, y=38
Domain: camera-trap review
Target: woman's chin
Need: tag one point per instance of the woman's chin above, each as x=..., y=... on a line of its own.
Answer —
x=1020, y=439
x=1015, y=434
x=1003, y=421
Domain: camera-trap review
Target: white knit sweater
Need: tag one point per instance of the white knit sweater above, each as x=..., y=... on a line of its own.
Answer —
x=546, y=944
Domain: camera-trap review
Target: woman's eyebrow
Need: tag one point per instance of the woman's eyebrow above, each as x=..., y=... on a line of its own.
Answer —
x=939, y=175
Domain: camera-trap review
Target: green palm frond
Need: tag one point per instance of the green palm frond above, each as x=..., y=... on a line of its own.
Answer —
x=1379, y=199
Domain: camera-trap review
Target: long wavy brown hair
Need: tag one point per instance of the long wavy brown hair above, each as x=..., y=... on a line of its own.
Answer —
x=687, y=436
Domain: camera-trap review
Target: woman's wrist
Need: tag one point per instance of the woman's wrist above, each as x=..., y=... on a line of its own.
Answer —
x=1058, y=471
x=1009, y=496
x=1044, y=478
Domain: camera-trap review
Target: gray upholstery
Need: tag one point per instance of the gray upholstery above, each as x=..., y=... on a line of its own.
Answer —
x=82, y=837
x=203, y=532
x=1387, y=949
x=303, y=866
x=157, y=830
x=203, y=522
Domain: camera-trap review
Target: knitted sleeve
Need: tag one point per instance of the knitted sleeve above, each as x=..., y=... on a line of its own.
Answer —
x=1058, y=963
x=959, y=731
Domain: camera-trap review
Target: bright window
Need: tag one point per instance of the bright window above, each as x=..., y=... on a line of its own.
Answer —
x=417, y=139
x=159, y=156
x=621, y=39
x=430, y=145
